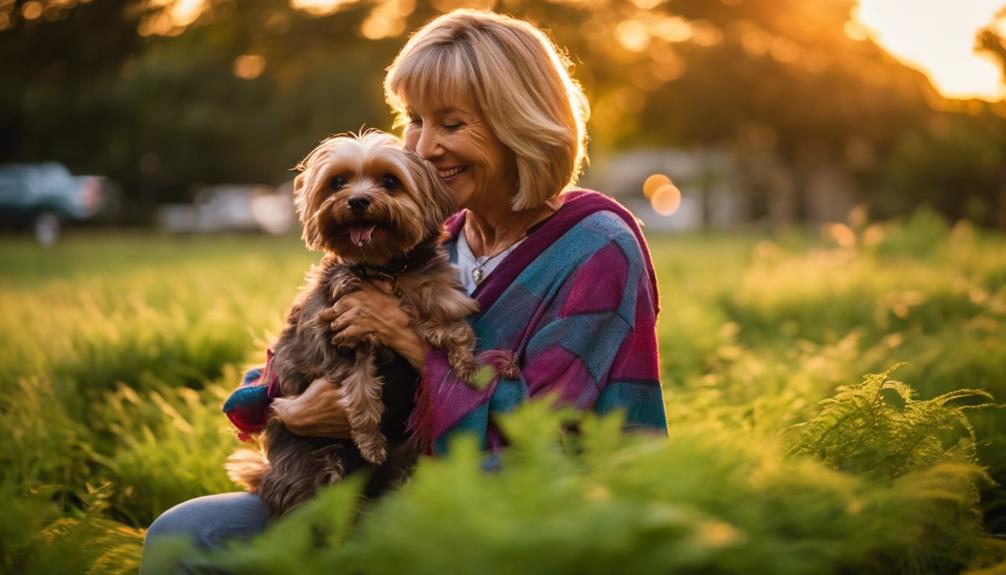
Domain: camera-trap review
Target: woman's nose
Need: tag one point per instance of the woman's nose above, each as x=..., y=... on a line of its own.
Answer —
x=427, y=145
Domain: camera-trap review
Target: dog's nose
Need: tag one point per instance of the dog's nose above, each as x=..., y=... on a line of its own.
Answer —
x=358, y=203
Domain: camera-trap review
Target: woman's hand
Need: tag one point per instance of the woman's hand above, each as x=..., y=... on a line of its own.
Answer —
x=316, y=412
x=375, y=310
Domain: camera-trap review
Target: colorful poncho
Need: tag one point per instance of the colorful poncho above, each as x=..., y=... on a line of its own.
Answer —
x=570, y=312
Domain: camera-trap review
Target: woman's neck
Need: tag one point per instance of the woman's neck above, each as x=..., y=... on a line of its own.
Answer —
x=491, y=229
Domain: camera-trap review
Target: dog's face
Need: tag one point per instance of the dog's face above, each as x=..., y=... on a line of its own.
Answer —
x=367, y=200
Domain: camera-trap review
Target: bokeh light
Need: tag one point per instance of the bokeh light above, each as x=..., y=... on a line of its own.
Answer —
x=31, y=10
x=673, y=29
x=841, y=234
x=321, y=7
x=666, y=199
x=387, y=20
x=185, y=12
x=632, y=34
x=653, y=182
x=448, y=5
x=249, y=66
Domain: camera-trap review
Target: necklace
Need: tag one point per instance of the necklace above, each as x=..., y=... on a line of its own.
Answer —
x=478, y=273
x=478, y=267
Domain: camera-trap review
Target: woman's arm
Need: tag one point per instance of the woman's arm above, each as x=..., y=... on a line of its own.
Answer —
x=316, y=412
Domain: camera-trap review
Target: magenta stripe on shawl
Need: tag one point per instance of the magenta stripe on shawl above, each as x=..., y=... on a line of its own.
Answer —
x=438, y=409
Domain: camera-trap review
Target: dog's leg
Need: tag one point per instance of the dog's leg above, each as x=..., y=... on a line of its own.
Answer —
x=457, y=339
x=438, y=311
x=362, y=401
x=298, y=466
x=342, y=283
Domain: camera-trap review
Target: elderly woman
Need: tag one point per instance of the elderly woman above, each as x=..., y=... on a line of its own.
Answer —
x=566, y=291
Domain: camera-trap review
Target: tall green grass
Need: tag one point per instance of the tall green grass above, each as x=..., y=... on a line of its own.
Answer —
x=117, y=350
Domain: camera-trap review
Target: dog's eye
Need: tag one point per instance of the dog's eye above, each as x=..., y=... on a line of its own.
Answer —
x=390, y=182
x=337, y=183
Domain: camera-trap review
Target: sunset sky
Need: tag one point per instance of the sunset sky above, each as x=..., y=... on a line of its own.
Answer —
x=938, y=37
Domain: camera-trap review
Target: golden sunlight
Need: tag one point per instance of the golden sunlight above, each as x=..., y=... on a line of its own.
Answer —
x=320, y=7
x=185, y=12
x=938, y=38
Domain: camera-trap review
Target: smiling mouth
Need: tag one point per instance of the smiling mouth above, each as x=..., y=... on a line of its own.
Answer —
x=449, y=174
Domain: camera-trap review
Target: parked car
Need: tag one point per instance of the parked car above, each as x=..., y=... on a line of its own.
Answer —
x=42, y=197
x=230, y=208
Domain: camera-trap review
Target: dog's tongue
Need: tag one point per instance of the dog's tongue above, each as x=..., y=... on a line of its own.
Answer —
x=360, y=233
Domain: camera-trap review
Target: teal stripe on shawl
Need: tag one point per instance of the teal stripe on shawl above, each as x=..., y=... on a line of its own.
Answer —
x=641, y=401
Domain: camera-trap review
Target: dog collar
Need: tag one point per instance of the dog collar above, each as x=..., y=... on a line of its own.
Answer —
x=415, y=258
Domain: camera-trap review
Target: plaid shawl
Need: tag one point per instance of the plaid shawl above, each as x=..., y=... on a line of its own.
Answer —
x=570, y=312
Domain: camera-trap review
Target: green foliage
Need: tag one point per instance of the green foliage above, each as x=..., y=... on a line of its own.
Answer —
x=599, y=501
x=169, y=446
x=81, y=542
x=117, y=351
x=862, y=430
x=952, y=164
x=922, y=234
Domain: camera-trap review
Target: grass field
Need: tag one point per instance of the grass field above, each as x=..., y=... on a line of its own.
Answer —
x=117, y=350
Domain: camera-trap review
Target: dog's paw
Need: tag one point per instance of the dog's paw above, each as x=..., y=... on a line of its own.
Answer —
x=466, y=372
x=374, y=449
x=469, y=371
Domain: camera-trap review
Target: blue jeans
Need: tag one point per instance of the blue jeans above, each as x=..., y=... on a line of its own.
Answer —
x=208, y=521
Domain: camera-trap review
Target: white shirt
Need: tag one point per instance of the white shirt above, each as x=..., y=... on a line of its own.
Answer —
x=467, y=262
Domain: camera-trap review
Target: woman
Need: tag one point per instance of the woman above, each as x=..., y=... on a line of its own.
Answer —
x=567, y=294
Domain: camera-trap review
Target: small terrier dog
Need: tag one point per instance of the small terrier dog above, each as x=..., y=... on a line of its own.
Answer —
x=376, y=211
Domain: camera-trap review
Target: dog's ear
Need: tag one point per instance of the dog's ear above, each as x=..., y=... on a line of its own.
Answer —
x=301, y=193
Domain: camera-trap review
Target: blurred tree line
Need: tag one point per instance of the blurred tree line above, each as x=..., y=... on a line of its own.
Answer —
x=240, y=90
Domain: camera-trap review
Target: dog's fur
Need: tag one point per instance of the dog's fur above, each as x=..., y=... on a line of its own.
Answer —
x=374, y=209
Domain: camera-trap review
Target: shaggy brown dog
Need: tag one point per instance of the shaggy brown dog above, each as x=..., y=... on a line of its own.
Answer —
x=376, y=211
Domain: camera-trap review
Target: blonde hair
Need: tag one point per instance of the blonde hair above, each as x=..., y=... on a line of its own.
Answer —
x=519, y=80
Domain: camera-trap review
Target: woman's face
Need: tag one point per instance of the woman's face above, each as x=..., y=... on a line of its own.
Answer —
x=468, y=156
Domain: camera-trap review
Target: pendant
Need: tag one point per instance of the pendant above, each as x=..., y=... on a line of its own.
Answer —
x=477, y=275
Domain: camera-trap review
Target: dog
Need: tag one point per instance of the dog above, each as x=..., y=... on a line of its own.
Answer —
x=375, y=210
